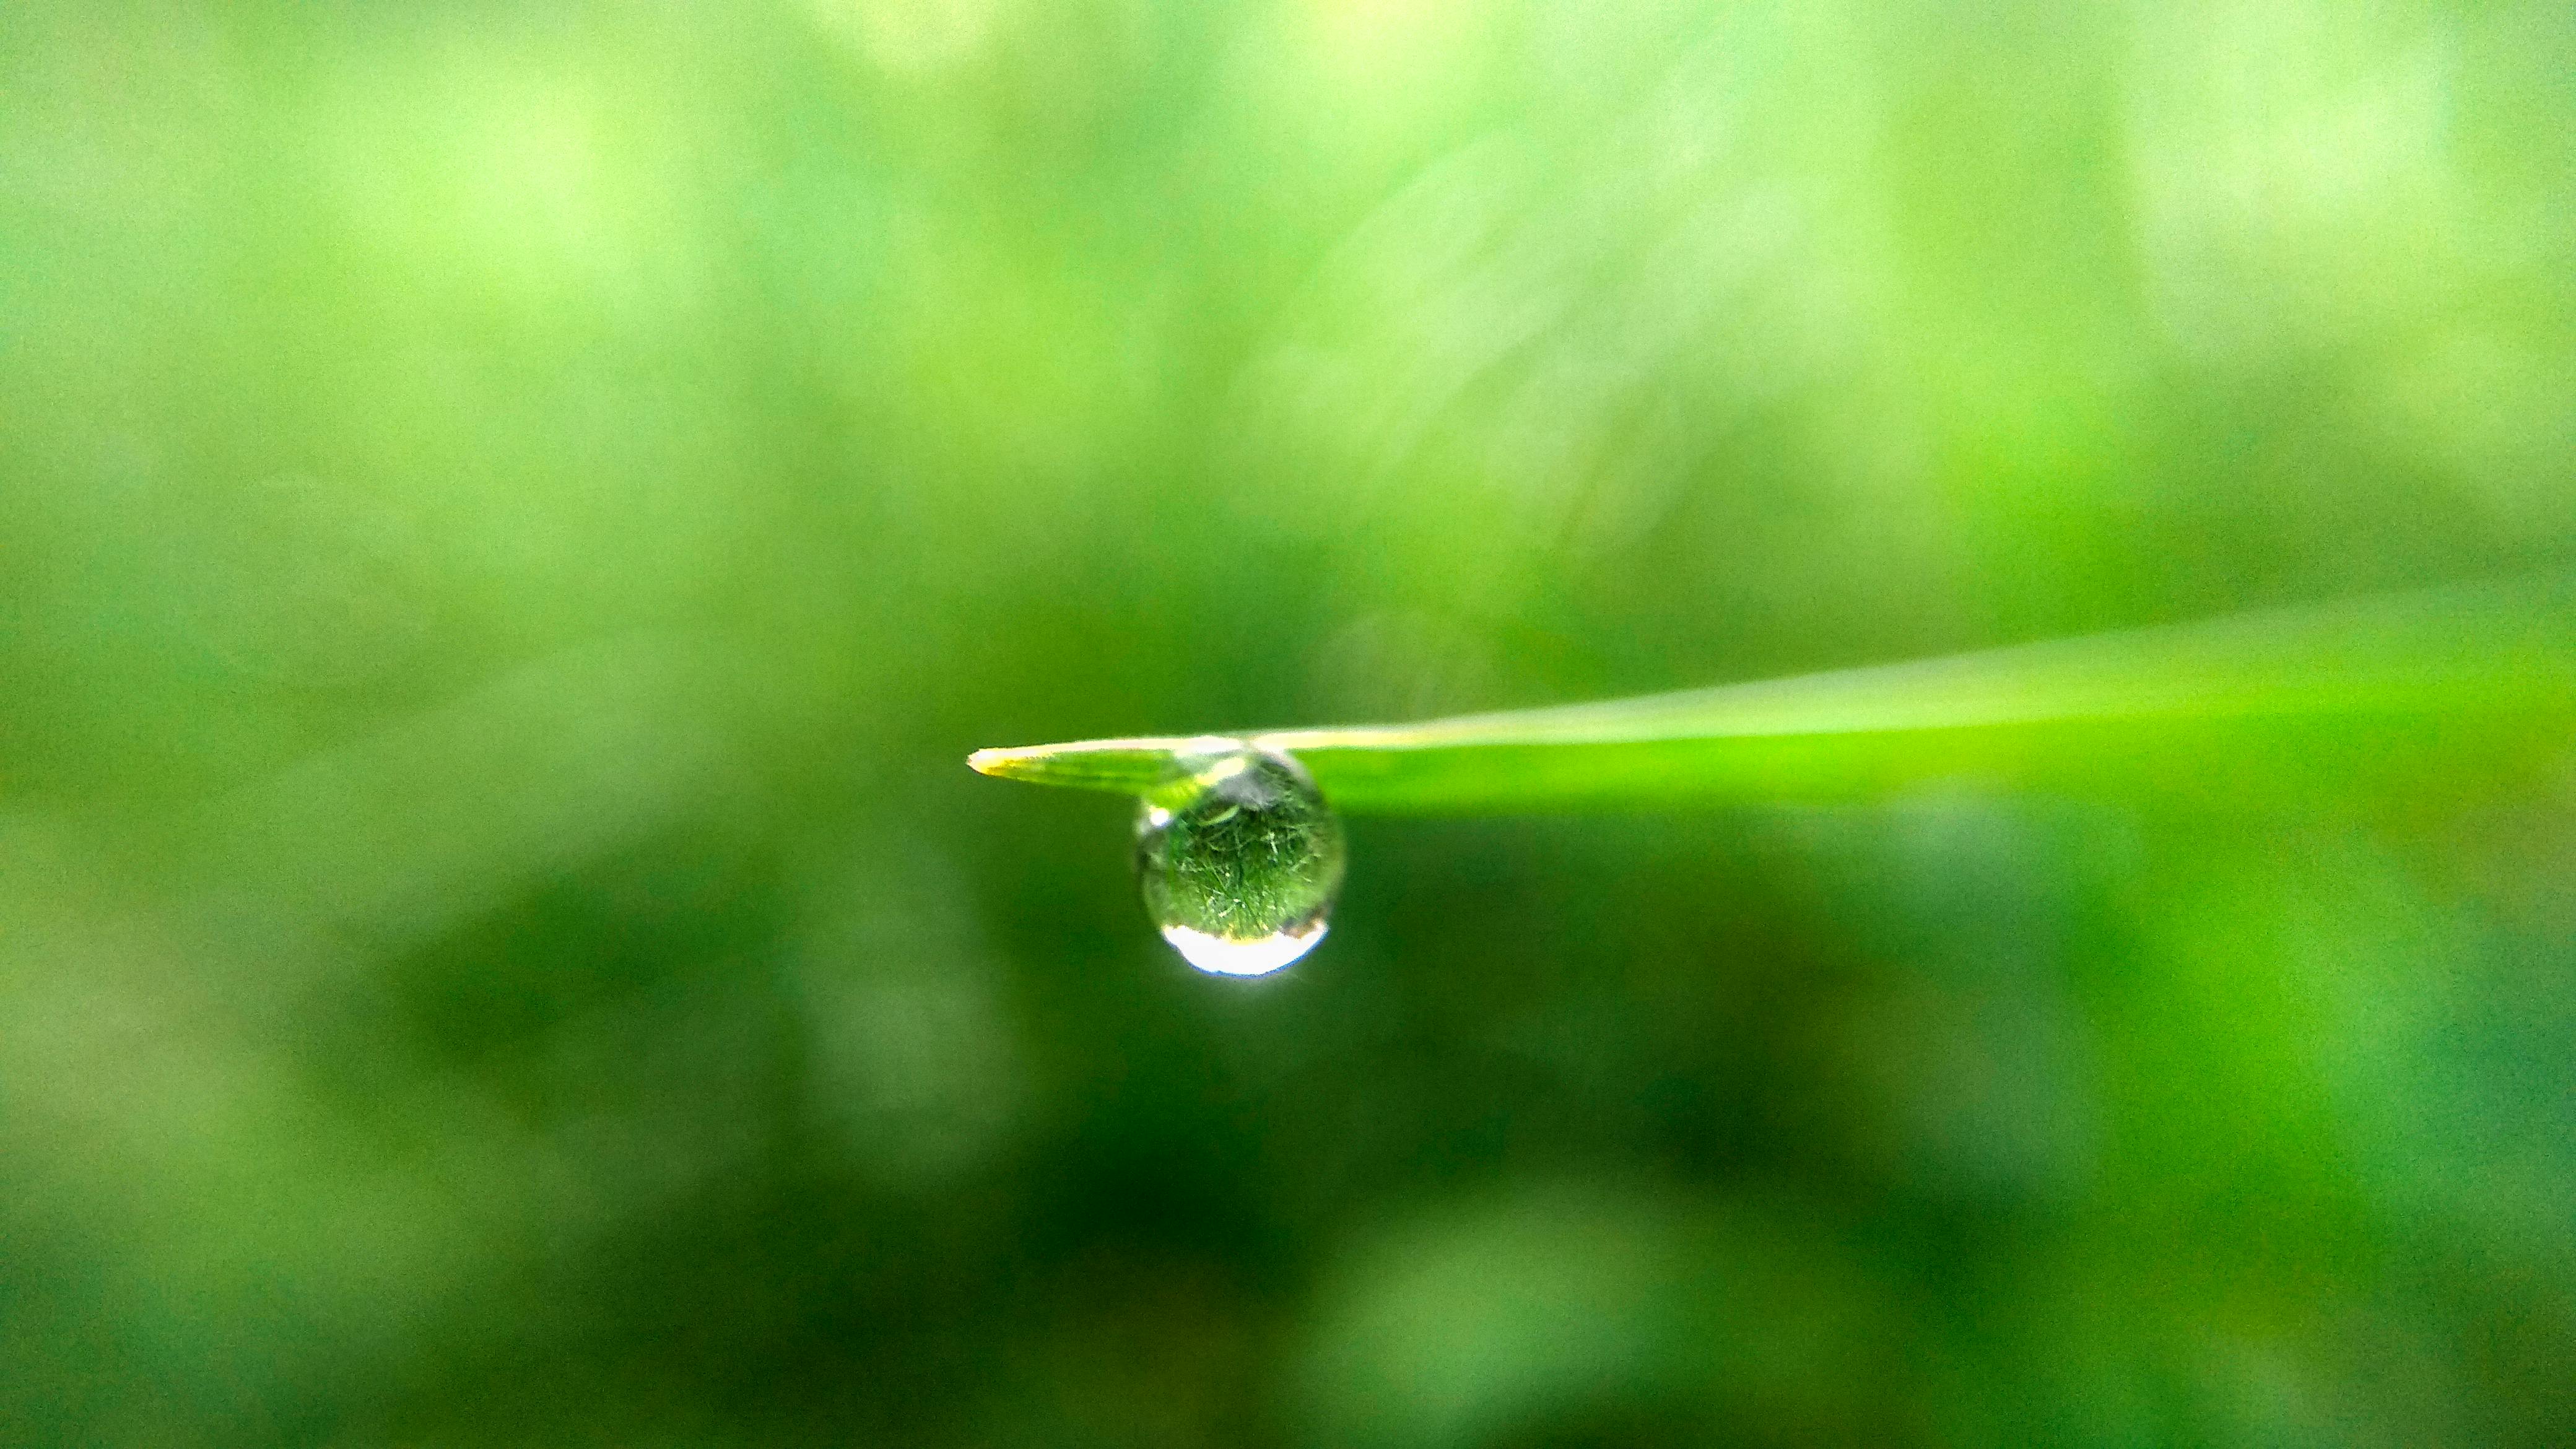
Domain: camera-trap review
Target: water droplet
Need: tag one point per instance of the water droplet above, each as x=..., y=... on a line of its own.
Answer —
x=1240, y=859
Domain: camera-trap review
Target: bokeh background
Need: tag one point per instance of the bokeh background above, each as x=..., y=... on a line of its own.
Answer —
x=512, y=515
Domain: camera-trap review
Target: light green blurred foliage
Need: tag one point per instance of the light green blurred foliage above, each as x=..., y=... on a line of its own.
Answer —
x=510, y=517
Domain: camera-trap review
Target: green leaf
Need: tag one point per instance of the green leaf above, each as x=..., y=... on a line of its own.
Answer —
x=2420, y=693
x=1133, y=767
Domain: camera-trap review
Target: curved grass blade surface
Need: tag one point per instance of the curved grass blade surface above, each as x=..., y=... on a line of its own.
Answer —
x=2417, y=693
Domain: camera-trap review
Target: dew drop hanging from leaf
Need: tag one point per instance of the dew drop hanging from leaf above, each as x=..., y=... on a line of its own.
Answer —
x=1239, y=859
x=2443, y=698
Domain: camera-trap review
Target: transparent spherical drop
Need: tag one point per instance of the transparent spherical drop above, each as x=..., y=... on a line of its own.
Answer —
x=1240, y=861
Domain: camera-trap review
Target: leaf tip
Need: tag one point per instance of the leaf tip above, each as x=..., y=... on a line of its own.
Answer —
x=1126, y=766
x=1001, y=764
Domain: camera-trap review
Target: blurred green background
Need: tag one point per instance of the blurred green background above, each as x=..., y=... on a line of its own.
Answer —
x=511, y=517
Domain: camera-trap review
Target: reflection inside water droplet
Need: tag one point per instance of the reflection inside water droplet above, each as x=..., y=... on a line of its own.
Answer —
x=1240, y=860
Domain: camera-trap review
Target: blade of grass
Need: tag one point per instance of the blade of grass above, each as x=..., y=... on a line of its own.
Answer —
x=2416, y=691
x=1131, y=767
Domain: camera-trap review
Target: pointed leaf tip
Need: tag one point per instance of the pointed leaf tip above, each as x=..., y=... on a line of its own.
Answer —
x=1125, y=766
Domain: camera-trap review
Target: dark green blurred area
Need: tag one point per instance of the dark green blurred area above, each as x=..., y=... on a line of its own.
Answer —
x=511, y=517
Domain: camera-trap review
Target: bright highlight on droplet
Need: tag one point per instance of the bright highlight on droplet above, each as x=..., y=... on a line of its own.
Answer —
x=1224, y=956
x=1240, y=860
